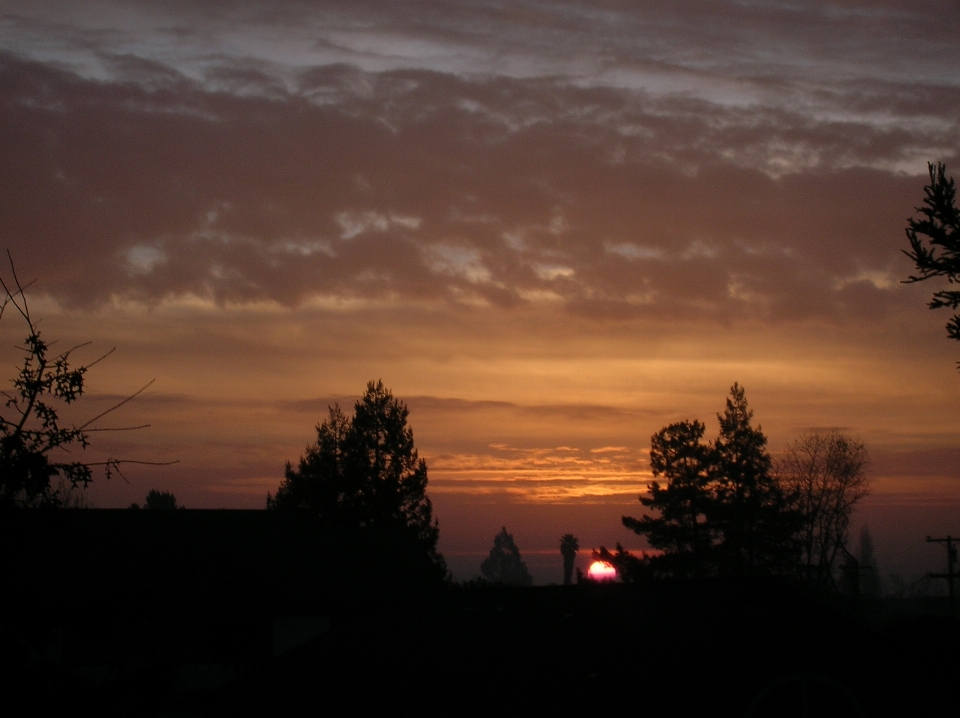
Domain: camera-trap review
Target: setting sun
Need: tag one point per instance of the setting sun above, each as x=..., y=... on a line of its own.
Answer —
x=602, y=571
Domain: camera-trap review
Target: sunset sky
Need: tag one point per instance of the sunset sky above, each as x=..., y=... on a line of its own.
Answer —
x=550, y=227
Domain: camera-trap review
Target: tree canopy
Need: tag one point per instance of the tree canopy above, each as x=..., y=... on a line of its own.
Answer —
x=37, y=468
x=364, y=473
x=162, y=500
x=935, y=241
x=721, y=511
x=504, y=564
x=681, y=528
x=755, y=515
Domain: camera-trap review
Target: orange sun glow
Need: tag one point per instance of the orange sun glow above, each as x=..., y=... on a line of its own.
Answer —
x=601, y=571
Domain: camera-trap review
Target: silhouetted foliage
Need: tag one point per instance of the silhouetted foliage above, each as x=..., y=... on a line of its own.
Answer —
x=824, y=471
x=940, y=225
x=158, y=500
x=504, y=564
x=630, y=568
x=364, y=473
x=722, y=511
x=35, y=468
x=681, y=528
x=568, y=549
x=754, y=514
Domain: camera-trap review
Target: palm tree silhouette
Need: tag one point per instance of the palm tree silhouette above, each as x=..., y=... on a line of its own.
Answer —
x=568, y=548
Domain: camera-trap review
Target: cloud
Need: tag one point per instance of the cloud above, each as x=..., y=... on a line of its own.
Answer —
x=613, y=163
x=151, y=189
x=539, y=474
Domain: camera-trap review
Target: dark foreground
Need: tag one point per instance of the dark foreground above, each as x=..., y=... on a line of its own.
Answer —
x=233, y=613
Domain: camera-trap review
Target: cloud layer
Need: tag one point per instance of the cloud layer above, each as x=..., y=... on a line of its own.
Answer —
x=682, y=172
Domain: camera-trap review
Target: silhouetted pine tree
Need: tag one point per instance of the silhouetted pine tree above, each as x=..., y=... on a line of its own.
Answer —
x=940, y=224
x=680, y=527
x=753, y=514
x=722, y=510
x=504, y=564
x=364, y=473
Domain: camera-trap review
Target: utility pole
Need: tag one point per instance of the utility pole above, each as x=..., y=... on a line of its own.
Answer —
x=951, y=560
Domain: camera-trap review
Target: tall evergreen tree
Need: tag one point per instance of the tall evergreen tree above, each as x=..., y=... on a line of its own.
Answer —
x=680, y=528
x=939, y=255
x=722, y=510
x=504, y=564
x=364, y=473
x=752, y=512
x=320, y=484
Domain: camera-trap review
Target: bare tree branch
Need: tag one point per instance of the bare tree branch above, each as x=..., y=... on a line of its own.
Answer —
x=33, y=428
x=826, y=472
x=118, y=404
x=120, y=428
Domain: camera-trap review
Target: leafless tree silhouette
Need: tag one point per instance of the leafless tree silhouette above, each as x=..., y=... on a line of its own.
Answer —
x=35, y=443
x=825, y=470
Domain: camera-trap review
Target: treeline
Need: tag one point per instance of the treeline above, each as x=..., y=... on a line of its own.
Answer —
x=726, y=508
x=717, y=508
